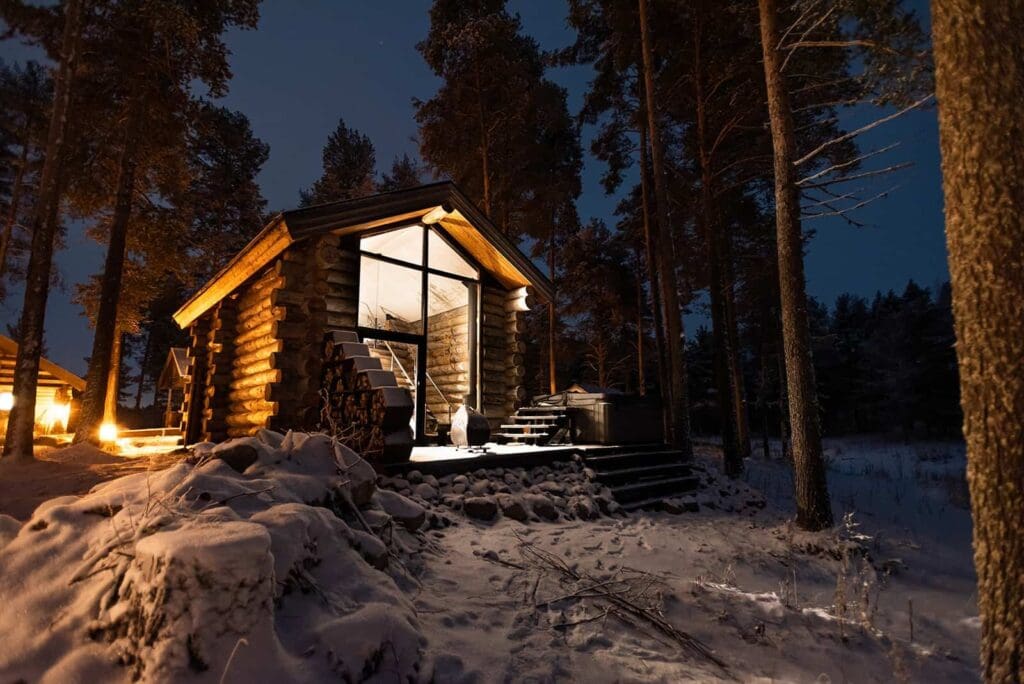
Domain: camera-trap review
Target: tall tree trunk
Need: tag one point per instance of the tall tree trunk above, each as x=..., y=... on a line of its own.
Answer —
x=679, y=409
x=722, y=352
x=981, y=106
x=147, y=352
x=735, y=367
x=12, y=211
x=18, y=444
x=813, y=510
x=654, y=279
x=485, y=147
x=641, y=380
x=113, y=379
x=91, y=413
x=552, y=315
x=762, y=402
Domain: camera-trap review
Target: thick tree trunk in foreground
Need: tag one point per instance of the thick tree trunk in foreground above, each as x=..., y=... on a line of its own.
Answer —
x=20, y=426
x=110, y=289
x=813, y=510
x=679, y=401
x=980, y=88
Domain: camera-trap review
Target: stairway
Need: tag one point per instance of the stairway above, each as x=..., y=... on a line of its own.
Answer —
x=536, y=425
x=640, y=476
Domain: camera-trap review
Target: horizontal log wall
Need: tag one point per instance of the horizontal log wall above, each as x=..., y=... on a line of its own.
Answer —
x=248, y=393
x=320, y=292
x=220, y=356
x=447, y=361
x=195, y=387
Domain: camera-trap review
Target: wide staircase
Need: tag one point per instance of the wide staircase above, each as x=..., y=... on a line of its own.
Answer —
x=640, y=476
x=540, y=425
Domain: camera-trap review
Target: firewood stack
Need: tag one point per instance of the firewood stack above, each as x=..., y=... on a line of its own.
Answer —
x=361, y=403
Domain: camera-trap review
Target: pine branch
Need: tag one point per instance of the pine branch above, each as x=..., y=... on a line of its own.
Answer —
x=840, y=44
x=821, y=19
x=857, y=176
x=799, y=20
x=859, y=205
x=847, y=164
x=863, y=129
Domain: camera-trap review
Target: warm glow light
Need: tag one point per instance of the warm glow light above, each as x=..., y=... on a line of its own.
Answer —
x=57, y=414
x=6, y=401
x=108, y=432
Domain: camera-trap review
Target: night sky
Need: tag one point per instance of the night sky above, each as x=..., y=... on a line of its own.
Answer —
x=313, y=61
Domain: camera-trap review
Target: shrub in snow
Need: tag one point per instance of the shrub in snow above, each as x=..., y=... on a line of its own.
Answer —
x=255, y=558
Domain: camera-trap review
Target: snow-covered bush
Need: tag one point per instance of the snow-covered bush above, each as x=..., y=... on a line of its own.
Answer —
x=255, y=557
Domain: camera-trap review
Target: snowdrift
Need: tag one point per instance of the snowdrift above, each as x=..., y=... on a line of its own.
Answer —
x=254, y=559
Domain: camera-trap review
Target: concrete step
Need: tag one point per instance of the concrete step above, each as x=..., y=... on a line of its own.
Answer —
x=516, y=436
x=537, y=416
x=633, y=458
x=650, y=489
x=528, y=426
x=623, y=476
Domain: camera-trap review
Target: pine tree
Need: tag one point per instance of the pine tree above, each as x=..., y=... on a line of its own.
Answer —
x=814, y=510
x=26, y=92
x=21, y=423
x=671, y=310
x=181, y=45
x=406, y=172
x=981, y=105
x=348, y=168
x=501, y=130
x=223, y=199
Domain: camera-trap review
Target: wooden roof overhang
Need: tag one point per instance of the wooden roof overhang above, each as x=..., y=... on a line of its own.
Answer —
x=461, y=220
x=50, y=374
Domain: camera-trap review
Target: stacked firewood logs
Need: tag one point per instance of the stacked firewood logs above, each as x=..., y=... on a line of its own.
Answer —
x=361, y=403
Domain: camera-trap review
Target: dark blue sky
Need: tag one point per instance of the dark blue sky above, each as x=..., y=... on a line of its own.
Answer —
x=313, y=61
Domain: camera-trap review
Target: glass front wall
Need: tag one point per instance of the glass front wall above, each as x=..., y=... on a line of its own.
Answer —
x=391, y=317
x=390, y=296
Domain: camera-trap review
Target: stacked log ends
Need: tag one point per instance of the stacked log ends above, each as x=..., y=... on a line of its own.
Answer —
x=361, y=404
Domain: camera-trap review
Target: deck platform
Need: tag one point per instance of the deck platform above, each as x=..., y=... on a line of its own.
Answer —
x=445, y=460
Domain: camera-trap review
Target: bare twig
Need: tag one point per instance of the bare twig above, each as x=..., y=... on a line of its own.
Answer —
x=847, y=164
x=858, y=176
x=863, y=129
x=855, y=207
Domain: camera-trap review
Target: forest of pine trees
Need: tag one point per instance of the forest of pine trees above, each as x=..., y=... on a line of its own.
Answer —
x=720, y=129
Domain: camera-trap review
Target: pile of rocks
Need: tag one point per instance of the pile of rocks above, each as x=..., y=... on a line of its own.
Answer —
x=552, y=493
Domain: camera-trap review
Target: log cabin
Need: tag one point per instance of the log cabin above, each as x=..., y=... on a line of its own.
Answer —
x=172, y=380
x=342, y=310
x=55, y=391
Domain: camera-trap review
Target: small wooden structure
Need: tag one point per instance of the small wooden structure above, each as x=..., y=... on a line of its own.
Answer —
x=173, y=379
x=55, y=391
x=423, y=279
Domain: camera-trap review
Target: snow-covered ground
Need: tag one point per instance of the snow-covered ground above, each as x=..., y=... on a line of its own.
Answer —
x=201, y=572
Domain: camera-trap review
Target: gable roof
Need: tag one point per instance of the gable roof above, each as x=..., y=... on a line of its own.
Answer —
x=9, y=347
x=459, y=217
x=176, y=369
